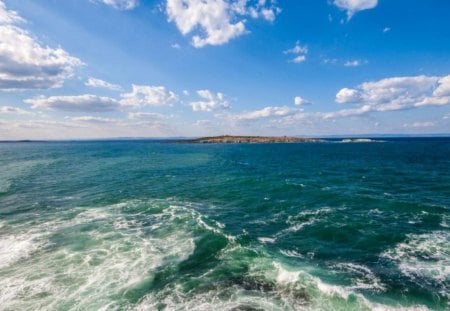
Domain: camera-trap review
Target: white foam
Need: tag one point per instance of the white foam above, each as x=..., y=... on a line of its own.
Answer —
x=118, y=257
x=14, y=248
x=265, y=240
x=293, y=254
x=364, y=279
x=424, y=258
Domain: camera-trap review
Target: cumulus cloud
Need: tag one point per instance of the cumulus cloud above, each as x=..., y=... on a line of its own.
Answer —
x=444, y=87
x=210, y=101
x=265, y=113
x=25, y=63
x=97, y=83
x=145, y=95
x=353, y=6
x=121, y=4
x=300, y=101
x=347, y=95
x=299, y=53
x=397, y=93
x=216, y=22
x=79, y=103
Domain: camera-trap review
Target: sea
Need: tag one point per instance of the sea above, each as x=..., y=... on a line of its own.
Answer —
x=157, y=225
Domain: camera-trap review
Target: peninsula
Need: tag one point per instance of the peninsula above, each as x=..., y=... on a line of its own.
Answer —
x=228, y=139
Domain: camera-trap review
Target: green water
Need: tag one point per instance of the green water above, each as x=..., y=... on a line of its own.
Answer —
x=145, y=225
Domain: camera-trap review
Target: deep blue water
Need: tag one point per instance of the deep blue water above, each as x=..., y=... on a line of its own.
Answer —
x=151, y=225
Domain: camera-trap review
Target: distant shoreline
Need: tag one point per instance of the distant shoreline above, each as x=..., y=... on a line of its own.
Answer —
x=228, y=139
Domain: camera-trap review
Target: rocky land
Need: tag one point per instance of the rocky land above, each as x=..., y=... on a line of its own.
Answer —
x=227, y=139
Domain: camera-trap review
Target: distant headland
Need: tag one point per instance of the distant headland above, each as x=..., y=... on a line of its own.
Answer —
x=228, y=139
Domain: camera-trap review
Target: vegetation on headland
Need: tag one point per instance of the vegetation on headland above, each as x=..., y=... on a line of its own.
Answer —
x=228, y=139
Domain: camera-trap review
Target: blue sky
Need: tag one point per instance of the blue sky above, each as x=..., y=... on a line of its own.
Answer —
x=137, y=68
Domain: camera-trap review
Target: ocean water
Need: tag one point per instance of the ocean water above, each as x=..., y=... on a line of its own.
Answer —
x=148, y=225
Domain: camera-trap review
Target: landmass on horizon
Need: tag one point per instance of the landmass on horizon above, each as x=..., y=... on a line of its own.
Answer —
x=229, y=139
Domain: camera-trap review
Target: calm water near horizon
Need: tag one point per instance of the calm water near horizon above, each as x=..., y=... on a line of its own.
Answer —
x=150, y=225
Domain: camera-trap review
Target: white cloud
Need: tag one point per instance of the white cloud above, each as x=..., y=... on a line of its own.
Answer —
x=444, y=87
x=14, y=110
x=147, y=116
x=210, y=102
x=347, y=95
x=343, y=113
x=397, y=93
x=386, y=29
x=419, y=124
x=216, y=22
x=299, y=53
x=91, y=119
x=353, y=63
x=264, y=113
x=353, y=6
x=79, y=103
x=299, y=101
x=205, y=124
x=121, y=4
x=299, y=59
x=25, y=63
x=144, y=95
x=97, y=83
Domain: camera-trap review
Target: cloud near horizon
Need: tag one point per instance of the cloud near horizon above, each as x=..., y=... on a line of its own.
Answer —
x=77, y=103
x=210, y=101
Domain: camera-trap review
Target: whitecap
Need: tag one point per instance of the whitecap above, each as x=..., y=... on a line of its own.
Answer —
x=425, y=259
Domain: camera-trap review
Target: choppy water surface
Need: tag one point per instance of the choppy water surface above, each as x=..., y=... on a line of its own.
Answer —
x=142, y=225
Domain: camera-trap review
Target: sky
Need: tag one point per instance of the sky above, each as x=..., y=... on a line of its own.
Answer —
x=78, y=69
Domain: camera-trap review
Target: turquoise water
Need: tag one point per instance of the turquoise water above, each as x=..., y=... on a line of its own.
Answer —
x=145, y=225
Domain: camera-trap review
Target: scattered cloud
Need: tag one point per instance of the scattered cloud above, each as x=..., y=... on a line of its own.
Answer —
x=97, y=83
x=121, y=4
x=14, y=110
x=353, y=6
x=176, y=46
x=264, y=113
x=299, y=53
x=300, y=101
x=91, y=119
x=331, y=61
x=353, y=63
x=205, y=124
x=78, y=103
x=25, y=63
x=386, y=29
x=216, y=22
x=443, y=88
x=397, y=93
x=419, y=124
x=298, y=59
x=145, y=95
x=347, y=95
x=210, y=101
x=147, y=116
